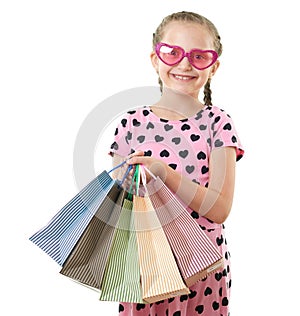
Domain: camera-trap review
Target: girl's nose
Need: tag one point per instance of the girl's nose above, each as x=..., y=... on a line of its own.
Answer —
x=185, y=64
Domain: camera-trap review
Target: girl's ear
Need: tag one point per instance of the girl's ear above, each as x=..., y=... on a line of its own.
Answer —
x=214, y=68
x=154, y=60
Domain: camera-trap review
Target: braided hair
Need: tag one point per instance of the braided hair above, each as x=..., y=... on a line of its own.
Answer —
x=186, y=16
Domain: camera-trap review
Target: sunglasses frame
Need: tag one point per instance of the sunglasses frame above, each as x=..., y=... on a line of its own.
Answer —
x=186, y=54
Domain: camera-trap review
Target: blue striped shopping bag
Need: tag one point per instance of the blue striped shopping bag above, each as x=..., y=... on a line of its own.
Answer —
x=60, y=235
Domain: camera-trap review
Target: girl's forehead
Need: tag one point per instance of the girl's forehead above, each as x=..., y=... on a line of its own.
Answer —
x=188, y=35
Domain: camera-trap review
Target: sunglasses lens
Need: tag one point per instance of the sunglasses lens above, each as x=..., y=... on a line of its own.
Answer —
x=170, y=55
x=202, y=59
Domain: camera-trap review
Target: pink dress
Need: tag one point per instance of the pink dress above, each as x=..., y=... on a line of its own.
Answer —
x=186, y=146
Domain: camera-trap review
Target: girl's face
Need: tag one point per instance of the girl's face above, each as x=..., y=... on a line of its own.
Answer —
x=183, y=77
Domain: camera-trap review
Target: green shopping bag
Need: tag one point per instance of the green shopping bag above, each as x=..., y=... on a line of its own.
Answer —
x=121, y=281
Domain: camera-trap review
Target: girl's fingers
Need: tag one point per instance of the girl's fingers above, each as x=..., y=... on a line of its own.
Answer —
x=134, y=161
x=136, y=158
x=135, y=154
x=138, y=153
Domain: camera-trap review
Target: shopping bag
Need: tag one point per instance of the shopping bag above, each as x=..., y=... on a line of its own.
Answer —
x=195, y=253
x=61, y=234
x=87, y=261
x=160, y=276
x=121, y=281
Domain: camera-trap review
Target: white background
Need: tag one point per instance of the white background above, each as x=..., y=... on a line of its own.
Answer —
x=60, y=59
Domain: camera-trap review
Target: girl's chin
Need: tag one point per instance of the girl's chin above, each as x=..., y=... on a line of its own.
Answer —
x=179, y=89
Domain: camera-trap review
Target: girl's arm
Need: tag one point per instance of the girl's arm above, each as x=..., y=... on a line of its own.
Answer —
x=213, y=202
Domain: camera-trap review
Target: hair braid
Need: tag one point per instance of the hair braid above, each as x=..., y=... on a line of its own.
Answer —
x=207, y=93
x=197, y=18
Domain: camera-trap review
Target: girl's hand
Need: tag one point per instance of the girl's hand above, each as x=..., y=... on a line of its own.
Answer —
x=156, y=166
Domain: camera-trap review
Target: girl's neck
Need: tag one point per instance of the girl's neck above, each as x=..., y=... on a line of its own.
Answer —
x=175, y=105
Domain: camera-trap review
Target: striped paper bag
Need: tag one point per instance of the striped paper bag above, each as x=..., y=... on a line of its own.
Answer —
x=121, y=281
x=195, y=253
x=87, y=261
x=61, y=234
x=160, y=276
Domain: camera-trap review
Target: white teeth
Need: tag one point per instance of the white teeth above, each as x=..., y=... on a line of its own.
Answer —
x=182, y=77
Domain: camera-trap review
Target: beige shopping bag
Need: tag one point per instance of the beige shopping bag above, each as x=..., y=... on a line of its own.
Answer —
x=160, y=276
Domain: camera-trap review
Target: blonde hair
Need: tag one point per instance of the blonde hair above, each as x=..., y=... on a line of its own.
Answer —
x=186, y=16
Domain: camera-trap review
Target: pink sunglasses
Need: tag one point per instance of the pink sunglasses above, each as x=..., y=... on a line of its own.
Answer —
x=198, y=58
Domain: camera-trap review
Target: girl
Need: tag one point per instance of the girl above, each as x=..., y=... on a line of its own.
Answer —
x=192, y=146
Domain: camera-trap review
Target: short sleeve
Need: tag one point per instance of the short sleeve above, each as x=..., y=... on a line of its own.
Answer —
x=122, y=138
x=225, y=134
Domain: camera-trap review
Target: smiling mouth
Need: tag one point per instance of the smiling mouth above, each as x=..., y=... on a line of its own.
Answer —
x=183, y=78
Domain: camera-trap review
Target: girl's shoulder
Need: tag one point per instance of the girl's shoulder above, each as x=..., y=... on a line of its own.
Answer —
x=133, y=118
x=215, y=115
x=137, y=112
x=213, y=111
